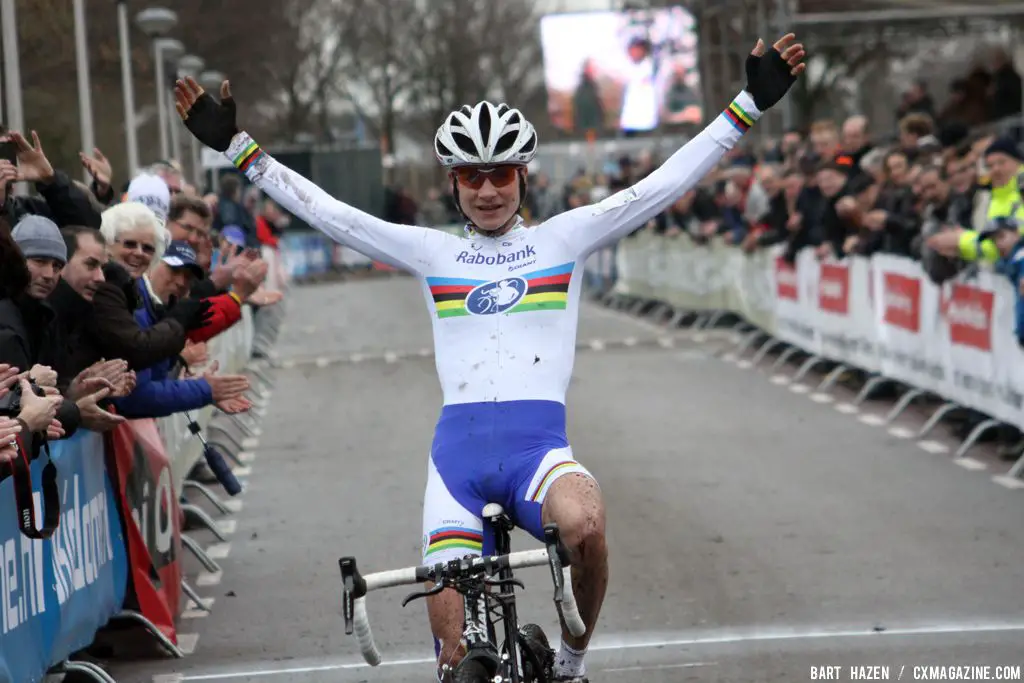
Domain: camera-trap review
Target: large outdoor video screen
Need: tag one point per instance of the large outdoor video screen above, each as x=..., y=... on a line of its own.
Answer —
x=631, y=71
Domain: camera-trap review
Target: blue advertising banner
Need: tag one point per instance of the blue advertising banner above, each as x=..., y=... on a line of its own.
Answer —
x=55, y=594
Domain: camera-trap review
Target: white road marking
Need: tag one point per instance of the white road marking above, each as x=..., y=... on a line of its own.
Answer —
x=187, y=642
x=1008, y=482
x=933, y=447
x=901, y=432
x=666, y=342
x=322, y=362
x=699, y=337
x=192, y=610
x=781, y=380
x=729, y=357
x=425, y=353
x=744, y=364
x=654, y=641
x=629, y=342
x=356, y=358
x=288, y=364
x=209, y=578
x=250, y=442
x=247, y=456
x=971, y=464
x=821, y=397
x=168, y=678
x=233, y=505
x=872, y=420
x=227, y=526
x=219, y=551
x=390, y=357
x=596, y=345
x=242, y=471
x=847, y=408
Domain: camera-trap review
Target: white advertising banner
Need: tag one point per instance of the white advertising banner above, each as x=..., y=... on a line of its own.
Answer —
x=880, y=314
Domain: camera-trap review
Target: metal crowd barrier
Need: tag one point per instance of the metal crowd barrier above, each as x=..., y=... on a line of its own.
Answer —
x=880, y=315
x=118, y=519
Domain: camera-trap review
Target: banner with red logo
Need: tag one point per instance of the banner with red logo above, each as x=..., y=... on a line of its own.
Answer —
x=880, y=314
x=151, y=516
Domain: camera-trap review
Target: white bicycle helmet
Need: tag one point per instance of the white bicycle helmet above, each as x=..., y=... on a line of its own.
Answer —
x=485, y=134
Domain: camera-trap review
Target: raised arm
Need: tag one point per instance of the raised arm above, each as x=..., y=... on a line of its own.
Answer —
x=213, y=123
x=769, y=76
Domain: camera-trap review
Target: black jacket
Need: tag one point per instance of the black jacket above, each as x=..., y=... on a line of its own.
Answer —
x=112, y=331
x=72, y=314
x=29, y=335
x=61, y=201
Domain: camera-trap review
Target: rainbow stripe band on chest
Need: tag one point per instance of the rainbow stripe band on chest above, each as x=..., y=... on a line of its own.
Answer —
x=546, y=290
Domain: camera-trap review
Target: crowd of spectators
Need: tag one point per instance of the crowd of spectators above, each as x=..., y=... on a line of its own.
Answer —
x=108, y=300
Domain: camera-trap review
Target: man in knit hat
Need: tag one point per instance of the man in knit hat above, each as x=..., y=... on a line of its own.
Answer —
x=30, y=336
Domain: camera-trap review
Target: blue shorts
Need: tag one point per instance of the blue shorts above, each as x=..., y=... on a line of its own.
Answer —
x=507, y=452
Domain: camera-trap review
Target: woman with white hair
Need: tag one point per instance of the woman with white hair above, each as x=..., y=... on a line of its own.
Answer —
x=135, y=239
x=134, y=235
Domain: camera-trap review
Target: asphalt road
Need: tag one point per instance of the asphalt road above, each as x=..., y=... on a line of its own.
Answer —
x=754, y=534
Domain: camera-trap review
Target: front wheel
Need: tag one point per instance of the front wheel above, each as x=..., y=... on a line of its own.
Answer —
x=471, y=671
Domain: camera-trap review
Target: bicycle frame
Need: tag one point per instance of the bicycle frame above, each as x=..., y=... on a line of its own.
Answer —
x=471, y=576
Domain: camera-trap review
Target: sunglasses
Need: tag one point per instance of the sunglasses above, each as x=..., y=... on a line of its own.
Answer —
x=132, y=245
x=473, y=177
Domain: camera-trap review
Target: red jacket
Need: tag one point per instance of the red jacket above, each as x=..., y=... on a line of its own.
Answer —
x=226, y=312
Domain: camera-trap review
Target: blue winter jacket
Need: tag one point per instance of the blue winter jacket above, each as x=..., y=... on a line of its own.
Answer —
x=157, y=393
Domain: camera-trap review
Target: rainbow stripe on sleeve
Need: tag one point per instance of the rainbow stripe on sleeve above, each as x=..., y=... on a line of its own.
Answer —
x=740, y=119
x=547, y=290
x=249, y=156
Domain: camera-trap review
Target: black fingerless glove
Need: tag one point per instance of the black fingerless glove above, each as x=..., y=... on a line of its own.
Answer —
x=193, y=314
x=769, y=78
x=212, y=122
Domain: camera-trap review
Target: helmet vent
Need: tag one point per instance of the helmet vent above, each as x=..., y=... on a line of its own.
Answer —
x=485, y=123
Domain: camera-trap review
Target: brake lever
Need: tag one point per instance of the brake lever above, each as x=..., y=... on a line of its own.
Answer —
x=423, y=594
x=354, y=587
x=501, y=583
x=557, y=556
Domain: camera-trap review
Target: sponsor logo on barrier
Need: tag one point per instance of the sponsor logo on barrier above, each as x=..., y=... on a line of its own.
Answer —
x=968, y=311
x=902, y=301
x=22, y=582
x=834, y=289
x=527, y=252
x=82, y=546
x=786, y=281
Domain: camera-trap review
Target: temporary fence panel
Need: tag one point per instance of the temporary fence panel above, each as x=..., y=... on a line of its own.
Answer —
x=881, y=314
x=56, y=593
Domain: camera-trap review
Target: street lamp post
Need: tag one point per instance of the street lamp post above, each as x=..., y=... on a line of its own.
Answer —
x=165, y=51
x=128, y=89
x=84, y=92
x=191, y=65
x=156, y=22
x=12, y=73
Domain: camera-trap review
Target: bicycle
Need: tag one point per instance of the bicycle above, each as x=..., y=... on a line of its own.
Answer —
x=523, y=655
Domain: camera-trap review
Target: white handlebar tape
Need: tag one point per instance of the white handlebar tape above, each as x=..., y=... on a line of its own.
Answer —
x=570, y=612
x=362, y=629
